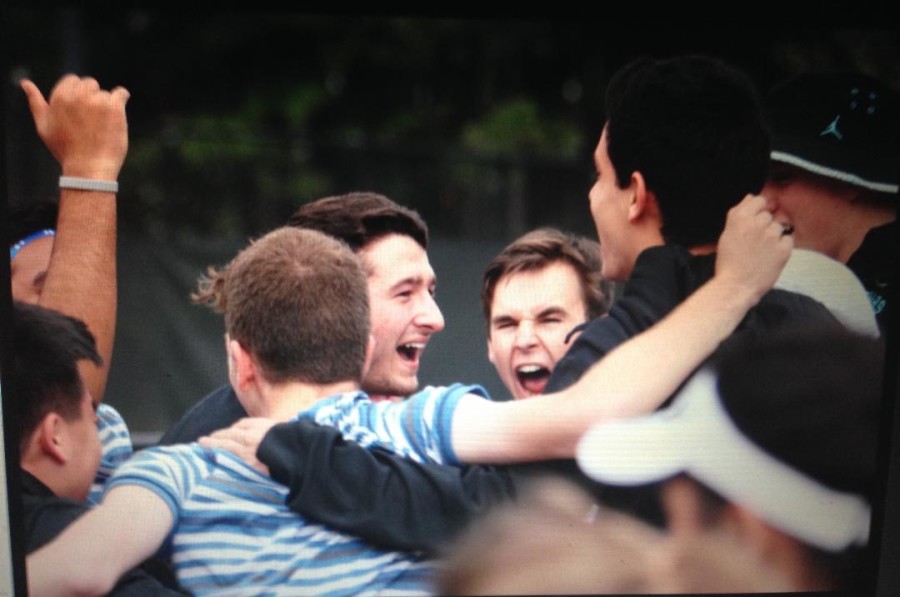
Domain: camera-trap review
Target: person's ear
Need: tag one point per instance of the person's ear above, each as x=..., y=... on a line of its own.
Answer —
x=641, y=197
x=53, y=438
x=241, y=367
x=492, y=357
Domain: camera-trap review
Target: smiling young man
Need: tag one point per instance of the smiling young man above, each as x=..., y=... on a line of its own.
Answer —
x=834, y=173
x=391, y=242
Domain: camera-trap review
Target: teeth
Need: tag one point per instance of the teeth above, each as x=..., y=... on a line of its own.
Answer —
x=410, y=351
x=529, y=369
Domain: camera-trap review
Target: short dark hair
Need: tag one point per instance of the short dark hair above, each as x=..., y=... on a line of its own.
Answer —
x=44, y=374
x=694, y=127
x=298, y=301
x=360, y=218
x=538, y=249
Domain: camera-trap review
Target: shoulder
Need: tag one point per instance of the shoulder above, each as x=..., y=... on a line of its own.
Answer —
x=455, y=390
x=214, y=411
x=831, y=284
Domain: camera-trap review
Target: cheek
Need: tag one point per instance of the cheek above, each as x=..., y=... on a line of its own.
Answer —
x=555, y=343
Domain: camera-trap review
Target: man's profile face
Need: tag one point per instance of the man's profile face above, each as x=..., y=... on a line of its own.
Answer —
x=814, y=206
x=86, y=452
x=29, y=269
x=531, y=313
x=609, y=208
x=403, y=310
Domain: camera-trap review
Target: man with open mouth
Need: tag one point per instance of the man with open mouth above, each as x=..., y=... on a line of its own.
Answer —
x=391, y=241
x=536, y=293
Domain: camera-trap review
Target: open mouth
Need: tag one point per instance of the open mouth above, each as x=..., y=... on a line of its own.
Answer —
x=533, y=378
x=410, y=352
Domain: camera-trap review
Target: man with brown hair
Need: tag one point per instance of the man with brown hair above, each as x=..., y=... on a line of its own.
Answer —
x=297, y=319
x=535, y=294
x=391, y=240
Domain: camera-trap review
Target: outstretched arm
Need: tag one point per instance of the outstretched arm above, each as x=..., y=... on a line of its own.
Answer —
x=116, y=536
x=639, y=375
x=85, y=129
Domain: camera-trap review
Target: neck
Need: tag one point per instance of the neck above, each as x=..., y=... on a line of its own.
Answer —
x=283, y=401
x=858, y=229
x=702, y=249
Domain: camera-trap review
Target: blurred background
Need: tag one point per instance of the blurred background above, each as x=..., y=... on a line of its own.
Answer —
x=486, y=126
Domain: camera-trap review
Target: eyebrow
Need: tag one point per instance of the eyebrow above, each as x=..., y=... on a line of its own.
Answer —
x=414, y=281
x=554, y=310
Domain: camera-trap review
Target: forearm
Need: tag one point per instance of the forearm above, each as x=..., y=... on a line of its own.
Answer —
x=90, y=555
x=385, y=499
x=634, y=378
x=86, y=130
x=81, y=277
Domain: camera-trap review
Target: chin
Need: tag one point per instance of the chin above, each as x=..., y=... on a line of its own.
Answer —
x=403, y=387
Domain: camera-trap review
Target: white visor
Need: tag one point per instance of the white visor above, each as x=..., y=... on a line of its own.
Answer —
x=694, y=435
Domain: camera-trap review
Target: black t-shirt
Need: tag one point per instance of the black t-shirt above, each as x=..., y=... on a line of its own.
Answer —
x=46, y=515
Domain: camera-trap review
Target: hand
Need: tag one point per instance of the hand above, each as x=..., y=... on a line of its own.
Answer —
x=242, y=439
x=753, y=248
x=83, y=126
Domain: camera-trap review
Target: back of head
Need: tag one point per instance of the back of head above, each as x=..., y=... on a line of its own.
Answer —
x=842, y=126
x=44, y=374
x=538, y=249
x=694, y=127
x=298, y=301
x=359, y=218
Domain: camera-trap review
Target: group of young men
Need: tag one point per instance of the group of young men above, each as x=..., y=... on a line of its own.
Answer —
x=349, y=478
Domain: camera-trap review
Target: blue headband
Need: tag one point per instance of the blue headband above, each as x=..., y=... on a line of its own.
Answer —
x=14, y=250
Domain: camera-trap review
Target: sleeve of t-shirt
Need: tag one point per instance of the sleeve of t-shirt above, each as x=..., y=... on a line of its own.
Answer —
x=116, y=446
x=419, y=507
x=168, y=471
x=418, y=427
x=659, y=281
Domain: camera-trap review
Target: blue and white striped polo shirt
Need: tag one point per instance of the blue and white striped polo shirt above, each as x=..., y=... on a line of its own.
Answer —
x=233, y=534
x=418, y=428
x=116, y=446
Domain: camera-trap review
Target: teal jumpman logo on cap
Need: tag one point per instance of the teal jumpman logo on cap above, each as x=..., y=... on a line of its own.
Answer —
x=832, y=129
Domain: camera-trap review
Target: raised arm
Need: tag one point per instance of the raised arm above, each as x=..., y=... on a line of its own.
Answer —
x=85, y=129
x=639, y=375
x=90, y=556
